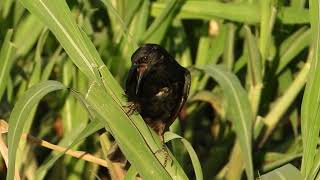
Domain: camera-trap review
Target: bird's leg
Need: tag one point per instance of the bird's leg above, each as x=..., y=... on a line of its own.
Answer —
x=166, y=154
x=158, y=126
x=164, y=149
x=131, y=108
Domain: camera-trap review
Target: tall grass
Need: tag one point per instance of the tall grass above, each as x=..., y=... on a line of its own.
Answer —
x=249, y=114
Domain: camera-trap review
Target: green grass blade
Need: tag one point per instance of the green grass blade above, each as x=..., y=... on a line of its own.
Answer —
x=310, y=105
x=286, y=172
x=6, y=7
x=254, y=62
x=168, y=136
x=20, y=112
x=266, y=25
x=18, y=13
x=235, y=162
x=6, y=57
x=228, y=55
x=68, y=77
x=155, y=33
x=290, y=48
x=9, y=90
x=283, y=103
x=52, y=60
x=201, y=59
x=243, y=12
x=239, y=11
x=297, y=3
x=281, y=161
x=36, y=71
x=314, y=172
x=134, y=6
x=285, y=80
x=39, y=49
x=239, y=110
x=34, y=79
x=217, y=45
x=255, y=71
x=123, y=25
x=57, y=16
x=142, y=23
x=291, y=38
x=27, y=34
x=289, y=15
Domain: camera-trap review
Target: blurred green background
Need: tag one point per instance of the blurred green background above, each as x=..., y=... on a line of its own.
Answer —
x=249, y=61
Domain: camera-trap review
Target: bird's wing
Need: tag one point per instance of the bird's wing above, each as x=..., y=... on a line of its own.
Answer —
x=183, y=99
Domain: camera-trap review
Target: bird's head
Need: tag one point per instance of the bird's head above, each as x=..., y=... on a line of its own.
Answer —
x=145, y=57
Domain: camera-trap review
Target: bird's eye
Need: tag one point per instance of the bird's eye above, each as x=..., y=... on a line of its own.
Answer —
x=145, y=58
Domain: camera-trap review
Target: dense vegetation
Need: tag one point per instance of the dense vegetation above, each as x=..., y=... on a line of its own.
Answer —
x=249, y=113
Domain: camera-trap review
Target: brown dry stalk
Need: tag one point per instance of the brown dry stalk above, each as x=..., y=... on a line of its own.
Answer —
x=77, y=154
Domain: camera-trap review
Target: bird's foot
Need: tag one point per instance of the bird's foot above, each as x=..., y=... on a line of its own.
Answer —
x=166, y=154
x=131, y=108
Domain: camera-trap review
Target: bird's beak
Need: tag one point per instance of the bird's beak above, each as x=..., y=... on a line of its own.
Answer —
x=141, y=68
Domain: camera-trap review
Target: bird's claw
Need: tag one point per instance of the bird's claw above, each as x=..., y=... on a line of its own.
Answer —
x=166, y=154
x=131, y=108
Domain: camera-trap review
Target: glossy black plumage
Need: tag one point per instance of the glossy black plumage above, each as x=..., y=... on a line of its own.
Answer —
x=157, y=86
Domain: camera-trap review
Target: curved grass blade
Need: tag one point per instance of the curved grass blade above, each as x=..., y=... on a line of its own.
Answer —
x=239, y=110
x=168, y=136
x=79, y=134
x=20, y=112
x=34, y=79
x=310, y=110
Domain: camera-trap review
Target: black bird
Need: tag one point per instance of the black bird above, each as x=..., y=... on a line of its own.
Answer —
x=157, y=86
